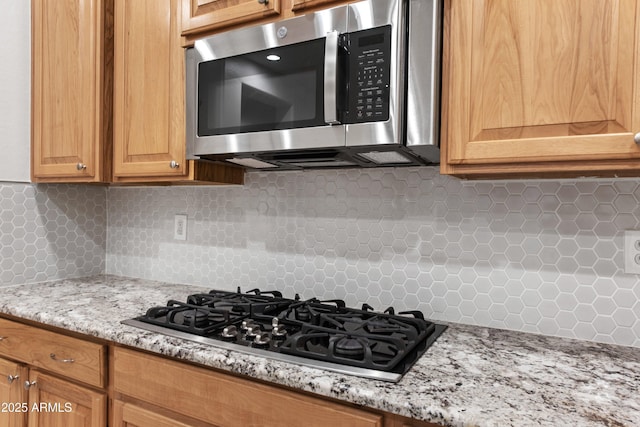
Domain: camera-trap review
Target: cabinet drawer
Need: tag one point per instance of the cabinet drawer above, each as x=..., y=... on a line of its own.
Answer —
x=72, y=357
x=223, y=400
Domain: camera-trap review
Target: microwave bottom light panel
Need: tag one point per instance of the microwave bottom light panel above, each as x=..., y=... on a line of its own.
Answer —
x=384, y=157
x=251, y=163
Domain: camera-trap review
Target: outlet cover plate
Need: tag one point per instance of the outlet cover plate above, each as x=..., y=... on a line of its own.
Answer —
x=632, y=252
x=180, y=227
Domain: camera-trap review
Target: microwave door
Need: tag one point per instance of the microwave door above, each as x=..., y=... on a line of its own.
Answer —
x=275, y=99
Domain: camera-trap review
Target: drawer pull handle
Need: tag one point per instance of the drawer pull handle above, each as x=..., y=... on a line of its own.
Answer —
x=53, y=357
x=12, y=378
x=29, y=384
x=2, y=338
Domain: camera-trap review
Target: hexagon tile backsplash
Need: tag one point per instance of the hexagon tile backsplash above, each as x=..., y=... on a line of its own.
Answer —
x=50, y=232
x=538, y=256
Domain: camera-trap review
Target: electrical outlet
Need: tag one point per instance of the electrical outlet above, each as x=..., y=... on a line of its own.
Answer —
x=180, y=227
x=632, y=251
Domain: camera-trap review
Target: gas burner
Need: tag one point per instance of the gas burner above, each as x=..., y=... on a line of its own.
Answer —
x=309, y=311
x=352, y=347
x=195, y=317
x=302, y=313
x=324, y=334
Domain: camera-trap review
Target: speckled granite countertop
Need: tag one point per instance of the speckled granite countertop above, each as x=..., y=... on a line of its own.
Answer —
x=472, y=376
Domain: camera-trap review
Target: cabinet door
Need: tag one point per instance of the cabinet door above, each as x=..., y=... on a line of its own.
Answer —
x=69, y=129
x=71, y=357
x=129, y=415
x=149, y=129
x=552, y=85
x=161, y=382
x=55, y=402
x=301, y=5
x=12, y=394
x=206, y=15
x=398, y=421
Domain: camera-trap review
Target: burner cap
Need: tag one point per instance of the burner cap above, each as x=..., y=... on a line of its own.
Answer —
x=353, y=348
x=303, y=314
x=195, y=317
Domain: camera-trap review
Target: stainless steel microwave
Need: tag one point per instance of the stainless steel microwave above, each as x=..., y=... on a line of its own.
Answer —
x=352, y=86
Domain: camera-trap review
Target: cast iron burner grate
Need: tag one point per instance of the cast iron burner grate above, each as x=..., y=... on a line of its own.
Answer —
x=324, y=334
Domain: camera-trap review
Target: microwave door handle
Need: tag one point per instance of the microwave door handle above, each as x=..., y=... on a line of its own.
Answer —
x=331, y=78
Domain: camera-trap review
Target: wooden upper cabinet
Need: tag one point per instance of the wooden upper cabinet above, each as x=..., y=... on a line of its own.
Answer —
x=149, y=99
x=205, y=15
x=149, y=127
x=70, y=91
x=302, y=5
x=534, y=86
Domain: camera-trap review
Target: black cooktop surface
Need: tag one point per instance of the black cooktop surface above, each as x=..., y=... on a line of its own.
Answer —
x=325, y=334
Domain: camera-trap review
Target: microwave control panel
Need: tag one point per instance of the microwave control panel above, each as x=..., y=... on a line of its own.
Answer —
x=369, y=64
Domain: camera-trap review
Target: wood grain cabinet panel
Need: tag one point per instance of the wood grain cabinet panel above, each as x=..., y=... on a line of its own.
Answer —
x=149, y=99
x=61, y=403
x=72, y=357
x=148, y=90
x=541, y=85
x=80, y=132
x=130, y=415
x=205, y=15
x=70, y=90
x=301, y=5
x=398, y=421
x=186, y=390
x=12, y=394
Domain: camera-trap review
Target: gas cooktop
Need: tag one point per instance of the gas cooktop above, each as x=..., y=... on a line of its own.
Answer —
x=322, y=334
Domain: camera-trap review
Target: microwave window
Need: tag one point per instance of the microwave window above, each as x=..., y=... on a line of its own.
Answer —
x=279, y=88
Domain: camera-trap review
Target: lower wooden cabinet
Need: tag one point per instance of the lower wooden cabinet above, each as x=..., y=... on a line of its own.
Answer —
x=65, y=378
x=398, y=421
x=131, y=415
x=188, y=390
x=154, y=391
x=69, y=357
x=56, y=402
x=13, y=396
x=49, y=401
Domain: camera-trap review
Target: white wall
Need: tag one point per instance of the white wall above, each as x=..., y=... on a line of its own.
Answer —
x=15, y=90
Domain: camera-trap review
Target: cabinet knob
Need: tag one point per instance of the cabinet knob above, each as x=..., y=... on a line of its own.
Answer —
x=81, y=166
x=636, y=138
x=174, y=165
x=2, y=338
x=12, y=378
x=29, y=384
x=53, y=357
x=263, y=1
